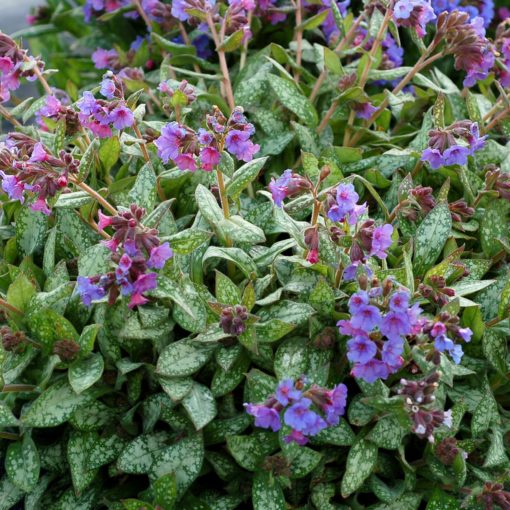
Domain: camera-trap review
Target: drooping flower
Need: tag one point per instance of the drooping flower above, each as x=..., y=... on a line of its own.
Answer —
x=414, y=14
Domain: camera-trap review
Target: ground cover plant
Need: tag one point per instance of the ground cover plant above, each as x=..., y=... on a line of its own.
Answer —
x=255, y=254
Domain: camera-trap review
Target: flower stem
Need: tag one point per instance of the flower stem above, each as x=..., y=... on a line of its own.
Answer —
x=10, y=308
x=18, y=388
x=95, y=195
x=142, y=145
x=43, y=81
x=299, y=38
x=223, y=194
x=223, y=60
x=498, y=118
x=466, y=185
x=244, y=52
x=9, y=435
x=143, y=14
x=329, y=114
x=7, y=116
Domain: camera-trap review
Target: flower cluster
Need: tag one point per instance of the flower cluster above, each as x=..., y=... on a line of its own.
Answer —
x=414, y=14
x=419, y=400
x=28, y=170
x=452, y=145
x=181, y=95
x=444, y=327
x=307, y=409
x=498, y=181
x=135, y=249
x=101, y=116
x=380, y=321
x=466, y=41
x=289, y=184
x=189, y=149
x=57, y=109
x=233, y=319
x=94, y=8
x=342, y=205
x=15, y=64
x=502, y=43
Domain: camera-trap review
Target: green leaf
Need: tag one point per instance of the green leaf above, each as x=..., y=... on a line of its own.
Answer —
x=183, y=358
x=227, y=292
x=242, y=231
x=188, y=240
x=7, y=419
x=361, y=462
x=9, y=494
x=232, y=42
x=485, y=414
x=31, y=229
x=85, y=372
x=494, y=226
x=78, y=448
x=200, y=405
x=55, y=405
x=442, y=501
x=174, y=48
x=95, y=260
x=496, y=455
x=184, y=458
x=431, y=237
x=240, y=258
x=250, y=451
x=73, y=200
x=244, y=176
x=165, y=491
x=293, y=99
x=140, y=454
x=339, y=435
x=109, y=152
x=314, y=21
x=322, y=298
x=143, y=192
x=22, y=464
x=291, y=359
x=208, y=205
x=387, y=433
x=267, y=493
x=20, y=292
x=495, y=350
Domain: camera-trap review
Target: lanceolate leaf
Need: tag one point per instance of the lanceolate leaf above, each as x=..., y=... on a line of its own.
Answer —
x=360, y=464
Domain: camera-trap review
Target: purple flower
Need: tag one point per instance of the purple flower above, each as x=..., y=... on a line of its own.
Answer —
x=108, y=88
x=438, y=329
x=414, y=13
x=296, y=437
x=103, y=58
x=399, y=301
x=104, y=221
x=12, y=186
x=143, y=283
x=336, y=406
x=367, y=317
x=395, y=324
x=38, y=154
x=442, y=343
x=381, y=240
x=364, y=110
x=265, y=417
x=392, y=353
x=476, y=142
x=88, y=104
x=357, y=300
x=370, y=371
x=433, y=157
x=169, y=142
x=209, y=158
x=88, y=291
x=279, y=187
x=346, y=200
x=456, y=155
x=465, y=334
x=121, y=117
x=300, y=417
x=41, y=205
x=186, y=162
x=159, y=255
x=286, y=392
x=361, y=349
x=239, y=144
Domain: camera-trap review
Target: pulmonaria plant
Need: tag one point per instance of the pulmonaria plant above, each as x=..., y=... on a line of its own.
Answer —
x=135, y=250
x=452, y=145
x=190, y=149
x=29, y=172
x=305, y=408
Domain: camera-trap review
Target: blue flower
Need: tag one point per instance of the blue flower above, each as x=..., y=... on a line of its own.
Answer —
x=88, y=291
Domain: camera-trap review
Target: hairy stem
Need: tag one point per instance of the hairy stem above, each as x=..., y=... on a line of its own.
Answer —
x=10, y=308
x=95, y=195
x=143, y=14
x=223, y=60
x=7, y=116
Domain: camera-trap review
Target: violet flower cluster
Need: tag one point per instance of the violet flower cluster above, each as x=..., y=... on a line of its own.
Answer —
x=14, y=65
x=102, y=116
x=190, y=150
x=442, y=330
x=419, y=400
x=135, y=249
x=306, y=409
x=94, y=8
x=452, y=145
x=29, y=172
x=474, y=8
x=380, y=321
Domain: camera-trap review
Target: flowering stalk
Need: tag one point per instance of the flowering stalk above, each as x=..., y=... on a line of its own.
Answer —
x=244, y=52
x=143, y=14
x=7, y=116
x=41, y=78
x=222, y=58
x=94, y=194
x=340, y=46
x=10, y=308
x=497, y=119
x=142, y=145
x=299, y=37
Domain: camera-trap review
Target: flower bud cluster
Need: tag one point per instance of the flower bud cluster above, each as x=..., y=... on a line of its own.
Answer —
x=419, y=402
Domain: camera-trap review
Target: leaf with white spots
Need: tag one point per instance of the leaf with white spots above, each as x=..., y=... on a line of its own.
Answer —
x=85, y=372
x=78, y=450
x=267, y=492
x=139, y=455
x=361, y=462
x=183, y=358
x=55, y=405
x=200, y=405
x=22, y=464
